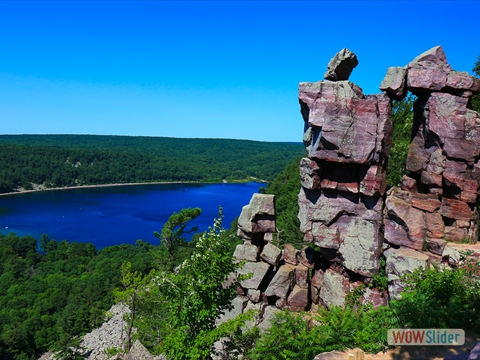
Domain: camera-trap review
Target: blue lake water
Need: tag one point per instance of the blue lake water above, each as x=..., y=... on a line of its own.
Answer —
x=120, y=214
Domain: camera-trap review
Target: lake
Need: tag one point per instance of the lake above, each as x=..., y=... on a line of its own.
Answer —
x=119, y=214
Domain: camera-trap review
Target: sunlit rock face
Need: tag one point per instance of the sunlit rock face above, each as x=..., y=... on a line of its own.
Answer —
x=443, y=160
x=359, y=227
x=348, y=137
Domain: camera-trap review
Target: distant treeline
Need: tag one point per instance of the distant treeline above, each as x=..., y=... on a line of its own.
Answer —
x=68, y=160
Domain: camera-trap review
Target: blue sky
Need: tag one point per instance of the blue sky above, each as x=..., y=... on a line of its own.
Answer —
x=213, y=69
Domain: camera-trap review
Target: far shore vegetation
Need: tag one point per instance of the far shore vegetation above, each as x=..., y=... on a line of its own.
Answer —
x=58, y=161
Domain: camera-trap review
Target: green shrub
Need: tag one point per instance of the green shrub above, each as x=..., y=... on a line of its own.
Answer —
x=295, y=336
x=441, y=298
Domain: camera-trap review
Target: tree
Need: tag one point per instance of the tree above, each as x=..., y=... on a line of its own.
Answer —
x=402, y=120
x=476, y=67
x=134, y=287
x=196, y=296
x=172, y=235
x=476, y=98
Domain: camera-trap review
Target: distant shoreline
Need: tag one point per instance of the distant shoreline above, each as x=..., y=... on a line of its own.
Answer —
x=41, y=188
x=22, y=191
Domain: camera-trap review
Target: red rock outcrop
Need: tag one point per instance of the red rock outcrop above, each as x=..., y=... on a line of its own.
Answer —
x=438, y=201
x=344, y=206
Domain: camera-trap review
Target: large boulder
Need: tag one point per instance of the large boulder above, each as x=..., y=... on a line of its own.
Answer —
x=247, y=252
x=335, y=288
x=254, y=272
x=394, y=83
x=259, y=215
x=341, y=65
x=361, y=246
x=345, y=126
x=298, y=299
x=282, y=282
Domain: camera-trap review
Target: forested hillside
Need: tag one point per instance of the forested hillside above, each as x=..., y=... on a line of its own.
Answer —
x=68, y=160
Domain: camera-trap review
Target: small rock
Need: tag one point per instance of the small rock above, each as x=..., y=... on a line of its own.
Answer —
x=341, y=65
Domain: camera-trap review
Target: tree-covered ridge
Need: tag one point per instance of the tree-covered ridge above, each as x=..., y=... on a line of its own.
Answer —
x=52, y=294
x=68, y=160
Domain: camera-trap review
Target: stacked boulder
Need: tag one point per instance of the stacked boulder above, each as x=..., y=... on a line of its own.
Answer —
x=434, y=214
x=270, y=279
x=348, y=139
x=344, y=206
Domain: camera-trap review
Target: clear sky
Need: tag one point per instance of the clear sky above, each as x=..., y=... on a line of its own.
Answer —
x=208, y=69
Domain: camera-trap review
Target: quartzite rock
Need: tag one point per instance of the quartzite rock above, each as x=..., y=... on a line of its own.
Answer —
x=341, y=65
x=268, y=315
x=435, y=55
x=405, y=215
x=361, y=246
x=454, y=252
x=308, y=257
x=428, y=71
x=426, y=202
x=455, y=209
x=310, y=172
x=375, y=297
x=247, y=252
x=459, y=80
x=394, y=83
x=435, y=225
x=374, y=181
x=290, y=254
x=258, y=215
x=254, y=295
x=282, y=282
x=302, y=276
x=298, y=299
x=401, y=261
x=346, y=126
x=435, y=246
x=335, y=288
x=271, y=254
x=258, y=269
x=464, y=182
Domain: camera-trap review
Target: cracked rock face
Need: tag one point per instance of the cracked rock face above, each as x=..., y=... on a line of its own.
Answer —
x=344, y=206
x=343, y=125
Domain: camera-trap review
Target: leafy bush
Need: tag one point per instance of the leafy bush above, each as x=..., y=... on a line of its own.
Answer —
x=441, y=297
x=296, y=336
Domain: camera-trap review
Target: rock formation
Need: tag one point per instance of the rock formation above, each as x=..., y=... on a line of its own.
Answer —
x=345, y=208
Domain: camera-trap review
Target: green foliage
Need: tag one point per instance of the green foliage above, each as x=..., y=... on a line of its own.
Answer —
x=67, y=160
x=134, y=287
x=113, y=351
x=171, y=237
x=441, y=298
x=476, y=67
x=476, y=98
x=402, y=119
x=239, y=341
x=49, y=298
x=289, y=337
x=195, y=297
x=286, y=187
x=295, y=336
x=380, y=280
